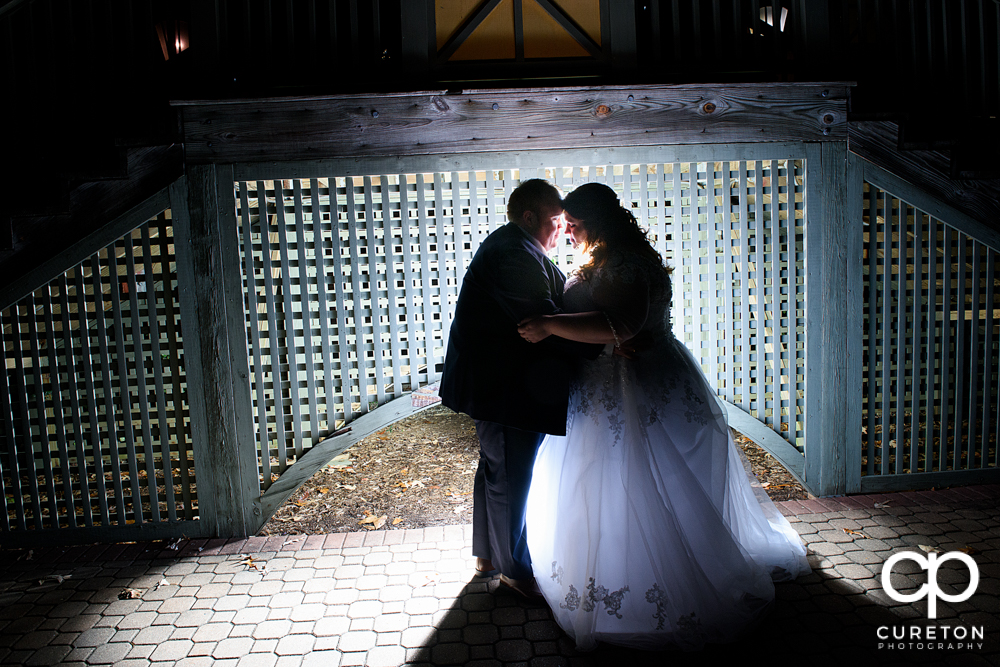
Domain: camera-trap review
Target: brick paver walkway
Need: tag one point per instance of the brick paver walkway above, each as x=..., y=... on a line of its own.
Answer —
x=394, y=597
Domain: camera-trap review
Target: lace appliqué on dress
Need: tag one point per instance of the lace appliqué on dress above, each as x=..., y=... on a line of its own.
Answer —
x=688, y=625
x=596, y=595
x=695, y=409
x=652, y=416
x=658, y=596
x=572, y=602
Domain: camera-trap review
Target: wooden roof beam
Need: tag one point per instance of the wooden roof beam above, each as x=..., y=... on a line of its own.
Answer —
x=437, y=122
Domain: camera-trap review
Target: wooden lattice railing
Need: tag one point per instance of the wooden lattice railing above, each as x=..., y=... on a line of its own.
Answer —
x=351, y=283
x=94, y=428
x=931, y=341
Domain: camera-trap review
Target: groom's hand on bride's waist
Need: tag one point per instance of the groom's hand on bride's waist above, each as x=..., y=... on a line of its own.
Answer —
x=635, y=345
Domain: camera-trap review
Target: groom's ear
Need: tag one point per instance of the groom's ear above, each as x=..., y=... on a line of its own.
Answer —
x=528, y=218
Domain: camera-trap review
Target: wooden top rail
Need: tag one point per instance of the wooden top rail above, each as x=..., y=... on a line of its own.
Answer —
x=436, y=122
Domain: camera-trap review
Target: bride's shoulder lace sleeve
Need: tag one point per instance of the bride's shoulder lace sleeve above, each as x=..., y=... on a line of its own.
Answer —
x=621, y=291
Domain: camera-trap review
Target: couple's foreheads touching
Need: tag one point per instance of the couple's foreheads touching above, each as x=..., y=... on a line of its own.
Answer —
x=538, y=207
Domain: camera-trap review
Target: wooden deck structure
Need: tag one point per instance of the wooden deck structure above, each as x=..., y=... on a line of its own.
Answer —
x=183, y=350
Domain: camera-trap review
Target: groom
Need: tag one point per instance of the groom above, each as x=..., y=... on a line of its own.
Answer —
x=515, y=391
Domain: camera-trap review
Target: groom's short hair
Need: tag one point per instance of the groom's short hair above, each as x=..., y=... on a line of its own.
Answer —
x=530, y=196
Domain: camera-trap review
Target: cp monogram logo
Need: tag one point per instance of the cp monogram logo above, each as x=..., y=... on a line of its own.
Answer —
x=930, y=590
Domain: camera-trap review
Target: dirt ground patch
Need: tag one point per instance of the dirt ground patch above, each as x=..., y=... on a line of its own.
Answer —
x=419, y=472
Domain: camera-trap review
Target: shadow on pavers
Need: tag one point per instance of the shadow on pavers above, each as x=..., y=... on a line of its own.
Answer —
x=814, y=621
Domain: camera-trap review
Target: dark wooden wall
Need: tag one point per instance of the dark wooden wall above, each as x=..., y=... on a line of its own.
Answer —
x=90, y=84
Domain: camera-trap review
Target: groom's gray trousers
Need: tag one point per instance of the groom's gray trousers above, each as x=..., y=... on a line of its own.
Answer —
x=506, y=457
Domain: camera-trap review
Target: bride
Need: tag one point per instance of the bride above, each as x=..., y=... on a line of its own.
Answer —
x=643, y=526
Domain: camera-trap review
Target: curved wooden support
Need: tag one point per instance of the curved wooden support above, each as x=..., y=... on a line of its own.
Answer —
x=772, y=443
x=400, y=408
x=322, y=453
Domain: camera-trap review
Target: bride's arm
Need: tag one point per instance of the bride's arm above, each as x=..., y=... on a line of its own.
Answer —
x=623, y=300
x=590, y=327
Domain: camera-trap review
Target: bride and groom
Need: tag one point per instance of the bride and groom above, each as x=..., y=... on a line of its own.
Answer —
x=608, y=483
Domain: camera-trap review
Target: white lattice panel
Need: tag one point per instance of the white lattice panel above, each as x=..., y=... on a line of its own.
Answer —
x=352, y=281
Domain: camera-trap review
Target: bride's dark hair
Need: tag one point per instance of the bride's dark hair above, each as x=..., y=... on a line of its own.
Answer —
x=611, y=228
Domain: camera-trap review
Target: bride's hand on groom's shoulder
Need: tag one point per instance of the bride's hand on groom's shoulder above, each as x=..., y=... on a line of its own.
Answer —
x=533, y=329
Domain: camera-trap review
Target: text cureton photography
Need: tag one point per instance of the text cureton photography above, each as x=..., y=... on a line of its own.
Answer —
x=931, y=637
x=942, y=636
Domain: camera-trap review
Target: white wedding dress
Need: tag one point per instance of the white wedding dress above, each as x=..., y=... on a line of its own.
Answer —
x=645, y=526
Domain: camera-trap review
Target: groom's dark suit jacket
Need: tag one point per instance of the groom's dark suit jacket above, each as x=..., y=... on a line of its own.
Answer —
x=490, y=372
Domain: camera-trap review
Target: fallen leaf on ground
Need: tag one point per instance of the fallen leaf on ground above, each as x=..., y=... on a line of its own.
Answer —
x=397, y=520
x=927, y=548
x=130, y=594
x=854, y=532
x=161, y=582
x=972, y=551
x=251, y=563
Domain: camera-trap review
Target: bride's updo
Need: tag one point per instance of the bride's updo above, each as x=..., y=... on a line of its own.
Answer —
x=611, y=228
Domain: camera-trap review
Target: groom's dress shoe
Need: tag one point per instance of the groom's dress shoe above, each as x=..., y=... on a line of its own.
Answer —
x=485, y=568
x=526, y=588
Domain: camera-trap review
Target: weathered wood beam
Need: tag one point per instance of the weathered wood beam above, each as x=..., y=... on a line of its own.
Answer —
x=215, y=347
x=876, y=141
x=139, y=532
x=42, y=243
x=492, y=120
x=831, y=237
x=60, y=261
x=927, y=480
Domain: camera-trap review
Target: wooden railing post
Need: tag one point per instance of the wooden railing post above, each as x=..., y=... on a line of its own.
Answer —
x=832, y=364
x=211, y=296
x=854, y=233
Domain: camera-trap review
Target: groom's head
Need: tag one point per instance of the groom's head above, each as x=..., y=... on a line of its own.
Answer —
x=536, y=207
